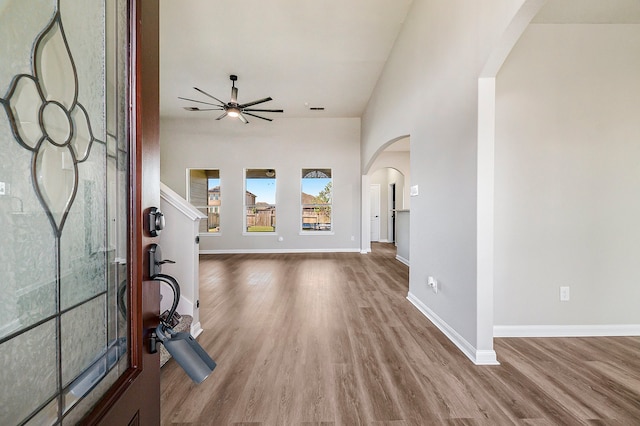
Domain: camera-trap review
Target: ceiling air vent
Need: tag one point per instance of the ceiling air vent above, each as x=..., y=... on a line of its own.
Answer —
x=316, y=108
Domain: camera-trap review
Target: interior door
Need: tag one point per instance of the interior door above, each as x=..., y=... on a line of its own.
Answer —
x=78, y=143
x=375, y=211
x=392, y=213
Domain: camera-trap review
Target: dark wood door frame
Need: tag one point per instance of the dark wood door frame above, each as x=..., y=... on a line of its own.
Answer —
x=135, y=397
x=392, y=238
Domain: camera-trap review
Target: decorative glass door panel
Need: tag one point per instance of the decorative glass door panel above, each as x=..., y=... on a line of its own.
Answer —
x=63, y=206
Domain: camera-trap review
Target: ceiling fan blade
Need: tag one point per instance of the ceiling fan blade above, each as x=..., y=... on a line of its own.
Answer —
x=243, y=118
x=211, y=96
x=224, y=114
x=200, y=102
x=202, y=109
x=259, y=101
x=263, y=110
x=257, y=116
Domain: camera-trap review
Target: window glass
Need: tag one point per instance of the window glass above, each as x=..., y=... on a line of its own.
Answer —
x=316, y=200
x=260, y=200
x=204, y=194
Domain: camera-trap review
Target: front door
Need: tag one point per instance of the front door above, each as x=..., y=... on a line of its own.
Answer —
x=75, y=151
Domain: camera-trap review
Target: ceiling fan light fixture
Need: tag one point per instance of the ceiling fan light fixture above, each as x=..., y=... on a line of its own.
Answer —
x=232, y=108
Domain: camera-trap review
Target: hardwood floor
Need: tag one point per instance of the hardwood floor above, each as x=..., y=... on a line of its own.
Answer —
x=330, y=339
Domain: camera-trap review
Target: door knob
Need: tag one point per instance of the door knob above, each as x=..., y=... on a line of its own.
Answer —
x=156, y=221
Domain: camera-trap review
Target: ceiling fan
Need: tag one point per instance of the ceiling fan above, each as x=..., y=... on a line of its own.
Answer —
x=231, y=108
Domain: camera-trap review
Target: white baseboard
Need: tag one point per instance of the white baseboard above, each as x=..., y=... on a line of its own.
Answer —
x=196, y=329
x=478, y=357
x=383, y=240
x=280, y=251
x=485, y=357
x=566, y=330
x=402, y=259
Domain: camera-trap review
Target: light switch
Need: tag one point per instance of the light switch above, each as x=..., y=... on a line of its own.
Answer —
x=414, y=191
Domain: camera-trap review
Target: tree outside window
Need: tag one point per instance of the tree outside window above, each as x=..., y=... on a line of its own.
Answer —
x=316, y=200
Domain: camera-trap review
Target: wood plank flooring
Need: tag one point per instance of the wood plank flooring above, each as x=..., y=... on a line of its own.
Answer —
x=330, y=339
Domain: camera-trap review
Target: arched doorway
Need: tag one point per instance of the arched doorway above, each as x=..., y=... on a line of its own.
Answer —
x=389, y=170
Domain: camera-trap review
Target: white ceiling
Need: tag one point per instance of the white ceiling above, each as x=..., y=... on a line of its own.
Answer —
x=303, y=53
x=589, y=12
x=326, y=53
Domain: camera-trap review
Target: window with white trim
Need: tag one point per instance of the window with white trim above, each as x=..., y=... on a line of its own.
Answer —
x=260, y=200
x=204, y=194
x=316, y=200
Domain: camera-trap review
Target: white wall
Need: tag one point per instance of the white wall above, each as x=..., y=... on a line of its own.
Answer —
x=401, y=161
x=403, y=236
x=429, y=90
x=286, y=145
x=178, y=243
x=567, y=179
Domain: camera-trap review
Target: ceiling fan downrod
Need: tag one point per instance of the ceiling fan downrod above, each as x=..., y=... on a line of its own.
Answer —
x=234, y=89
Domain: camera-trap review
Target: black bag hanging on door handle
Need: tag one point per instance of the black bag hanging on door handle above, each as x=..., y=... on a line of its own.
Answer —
x=182, y=346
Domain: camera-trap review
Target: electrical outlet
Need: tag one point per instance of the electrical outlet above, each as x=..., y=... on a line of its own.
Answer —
x=565, y=294
x=433, y=283
x=3, y=189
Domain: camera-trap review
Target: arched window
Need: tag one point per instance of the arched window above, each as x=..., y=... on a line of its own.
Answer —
x=316, y=201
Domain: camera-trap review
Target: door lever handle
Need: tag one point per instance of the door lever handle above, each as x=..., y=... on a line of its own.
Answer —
x=156, y=261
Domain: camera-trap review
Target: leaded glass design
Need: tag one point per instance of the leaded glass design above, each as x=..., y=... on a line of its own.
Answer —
x=63, y=206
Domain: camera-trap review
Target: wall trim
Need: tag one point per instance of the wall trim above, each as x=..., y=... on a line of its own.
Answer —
x=196, y=329
x=609, y=330
x=478, y=357
x=173, y=198
x=402, y=260
x=281, y=251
